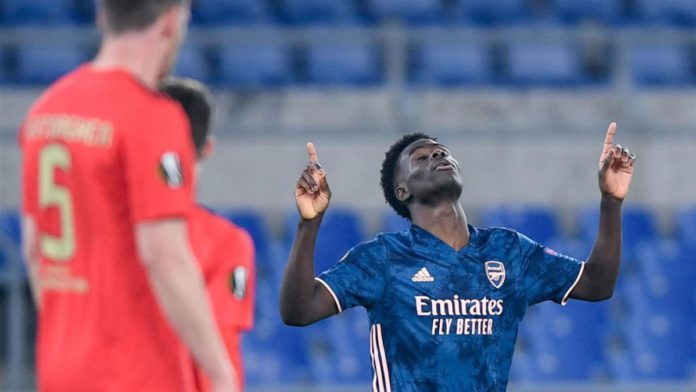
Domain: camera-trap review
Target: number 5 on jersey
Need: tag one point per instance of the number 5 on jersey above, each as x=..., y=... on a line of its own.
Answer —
x=62, y=247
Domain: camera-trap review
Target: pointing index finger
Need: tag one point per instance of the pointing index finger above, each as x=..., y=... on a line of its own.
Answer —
x=609, y=139
x=312, y=152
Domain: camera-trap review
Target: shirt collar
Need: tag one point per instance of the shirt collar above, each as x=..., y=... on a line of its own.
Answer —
x=425, y=241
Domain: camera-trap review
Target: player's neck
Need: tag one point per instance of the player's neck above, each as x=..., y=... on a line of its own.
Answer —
x=446, y=221
x=134, y=54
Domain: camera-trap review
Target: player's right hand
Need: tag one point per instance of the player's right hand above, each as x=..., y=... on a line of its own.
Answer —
x=312, y=193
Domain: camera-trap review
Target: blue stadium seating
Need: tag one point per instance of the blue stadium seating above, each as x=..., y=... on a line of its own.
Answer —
x=658, y=64
x=573, y=11
x=5, y=72
x=452, y=64
x=543, y=64
x=639, y=225
x=567, y=342
x=685, y=226
x=253, y=221
x=409, y=11
x=43, y=63
x=230, y=12
x=353, y=62
x=340, y=230
x=10, y=231
x=254, y=65
x=344, y=356
x=192, y=63
x=489, y=12
x=23, y=12
x=678, y=12
x=537, y=222
x=391, y=222
x=320, y=12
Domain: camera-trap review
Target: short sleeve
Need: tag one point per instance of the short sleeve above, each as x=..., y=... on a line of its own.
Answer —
x=548, y=275
x=232, y=288
x=158, y=159
x=358, y=279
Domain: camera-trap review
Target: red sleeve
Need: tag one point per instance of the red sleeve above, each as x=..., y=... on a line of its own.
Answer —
x=29, y=176
x=158, y=160
x=233, y=286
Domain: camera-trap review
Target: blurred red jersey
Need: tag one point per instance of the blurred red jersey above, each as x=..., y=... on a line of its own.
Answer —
x=102, y=152
x=226, y=255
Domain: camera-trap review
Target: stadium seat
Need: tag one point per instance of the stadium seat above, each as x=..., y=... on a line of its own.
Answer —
x=319, y=12
x=391, y=222
x=43, y=63
x=661, y=64
x=254, y=65
x=638, y=225
x=567, y=342
x=573, y=11
x=5, y=69
x=53, y=12
x=408, y=11
x=489, y=12
x=537, y=222
x=685, y=226
x=344, y=356
x=343, y=63
x=541, y=63
x=675, y=12
x=452, y=64
x=192, y=63
x=10, y=236
x=253, y=222
x=341, y=229
x=668, y=276
x=230, y=12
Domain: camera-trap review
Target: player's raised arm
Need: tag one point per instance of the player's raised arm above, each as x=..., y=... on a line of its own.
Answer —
x=602, y=268
x=302, y=299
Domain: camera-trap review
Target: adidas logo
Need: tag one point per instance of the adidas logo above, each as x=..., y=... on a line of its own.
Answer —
x=423, y=276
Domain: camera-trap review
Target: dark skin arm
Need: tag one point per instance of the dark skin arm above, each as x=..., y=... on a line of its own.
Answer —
x=598, y=280
x=303, y=300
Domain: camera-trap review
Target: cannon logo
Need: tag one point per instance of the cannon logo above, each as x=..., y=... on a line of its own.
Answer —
x=495, y=272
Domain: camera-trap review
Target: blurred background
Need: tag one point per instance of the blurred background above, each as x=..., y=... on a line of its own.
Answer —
x=521, y=91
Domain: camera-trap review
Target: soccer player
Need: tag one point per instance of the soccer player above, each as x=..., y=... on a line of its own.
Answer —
x=107, y=184
x=445, y=298
x=224, y=251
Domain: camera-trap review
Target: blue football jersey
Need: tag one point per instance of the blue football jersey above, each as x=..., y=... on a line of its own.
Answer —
x=445, y=320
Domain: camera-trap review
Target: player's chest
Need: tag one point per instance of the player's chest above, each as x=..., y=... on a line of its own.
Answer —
x=452, y=276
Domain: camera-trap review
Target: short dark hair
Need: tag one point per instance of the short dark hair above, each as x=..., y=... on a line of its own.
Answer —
x=198, y=103
x=389, y=167
x=127, y=15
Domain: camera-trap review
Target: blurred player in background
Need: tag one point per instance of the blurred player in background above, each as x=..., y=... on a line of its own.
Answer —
x=445, y=298
x=225, y=251
x=108, y=172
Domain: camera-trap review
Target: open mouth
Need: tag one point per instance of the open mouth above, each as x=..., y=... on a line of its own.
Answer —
x=444, y=166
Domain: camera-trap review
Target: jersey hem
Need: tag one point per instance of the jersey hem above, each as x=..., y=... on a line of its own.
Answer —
x=333, y=295
x=566, y=297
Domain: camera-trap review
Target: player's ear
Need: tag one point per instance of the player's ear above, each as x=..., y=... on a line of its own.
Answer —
x=171, y=22
x=208, y=148
x=402, y=194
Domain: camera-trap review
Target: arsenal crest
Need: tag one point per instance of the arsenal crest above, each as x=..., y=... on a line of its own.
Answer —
x=495, y=272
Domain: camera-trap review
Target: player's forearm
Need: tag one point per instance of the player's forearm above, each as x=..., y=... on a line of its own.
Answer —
x=180, y=290
x=602, y=268
x=298, y=289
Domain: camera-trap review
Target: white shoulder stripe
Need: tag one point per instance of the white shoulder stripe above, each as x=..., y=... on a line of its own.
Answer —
x=566, y=297
x=333, y=295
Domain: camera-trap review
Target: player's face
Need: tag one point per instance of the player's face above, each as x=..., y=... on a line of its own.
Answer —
x=428, y=171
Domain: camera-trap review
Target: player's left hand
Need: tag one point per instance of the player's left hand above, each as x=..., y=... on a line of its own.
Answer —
x=615, y=167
